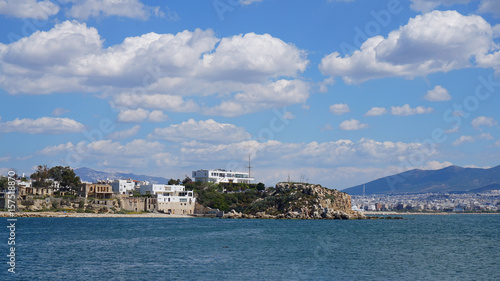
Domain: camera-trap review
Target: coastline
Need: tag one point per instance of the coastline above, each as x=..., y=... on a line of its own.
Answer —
x=89, y=215
x=382, y=213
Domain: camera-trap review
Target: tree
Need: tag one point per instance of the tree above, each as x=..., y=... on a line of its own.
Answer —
x=261, y=186
x=172, y=181
x=186, y=180
x=41, y=175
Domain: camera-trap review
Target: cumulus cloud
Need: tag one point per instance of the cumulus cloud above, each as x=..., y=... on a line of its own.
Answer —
x=133, y=116
x=352, y=125
x=339, y=108
x=157, y=116
x=123, y=8
x=376, y=111
x=439, y=41
x=480, y=121
x=243, y=73
x=43, y=125
x=125, y=133
x=437, y=94
x=140, y=115
x=34, y=9
x=471, y=139
x=406, y=110
x=206, y=131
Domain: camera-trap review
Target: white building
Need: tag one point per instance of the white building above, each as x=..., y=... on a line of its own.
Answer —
x=123, y=186
x=174, y=199
x=221, y=176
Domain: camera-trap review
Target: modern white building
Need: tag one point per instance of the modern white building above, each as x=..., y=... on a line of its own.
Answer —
x=152, y=188
x=123, y=186
x=221, y=176
x=174, y=199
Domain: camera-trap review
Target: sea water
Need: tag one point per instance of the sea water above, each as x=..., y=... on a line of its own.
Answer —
x=424, y=247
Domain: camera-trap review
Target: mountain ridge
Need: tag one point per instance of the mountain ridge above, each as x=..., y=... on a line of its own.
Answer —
x=87, y=174
x=452, y=179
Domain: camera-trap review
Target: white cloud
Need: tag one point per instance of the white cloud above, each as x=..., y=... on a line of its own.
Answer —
x=352, y=125
x=157, y=116
x=376, y=111
x=485, y=6
x=133, y=116
x=43, y=125
x=483, y=121
x=465, y=139
x=436, y=165
x=34, y=9
x=140, y=115
x=59, y=111
x=339, y=108
x=406, y=110
x=125, y=133
x=490, y=6
x=243, y=73
x=327, y=127
x=154, y=101
x=437, y=94
x=56, y=149
x=206, y=131
x=288, y=115
x=5, y=159
x=84, y=9
x=439, y=41
x=429, y=5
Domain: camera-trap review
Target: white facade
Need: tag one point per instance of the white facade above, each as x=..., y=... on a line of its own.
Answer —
x=221, y=176
x=154, y=189
x=123, y=186
x=175, y=193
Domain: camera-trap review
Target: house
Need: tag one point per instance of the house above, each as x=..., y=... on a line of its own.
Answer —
x=138, y=204
x=174, y=199
x=152, y=189
x=222, y=176
x=123, y=186
x=97, y=190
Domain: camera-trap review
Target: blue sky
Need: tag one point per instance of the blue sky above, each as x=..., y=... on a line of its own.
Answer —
x=335, y=92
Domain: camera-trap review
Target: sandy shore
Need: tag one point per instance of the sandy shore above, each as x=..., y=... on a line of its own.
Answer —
x=90, y=215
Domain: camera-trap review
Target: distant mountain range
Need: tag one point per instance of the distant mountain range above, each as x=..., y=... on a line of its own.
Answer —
x=450, y=179
x=87, y=174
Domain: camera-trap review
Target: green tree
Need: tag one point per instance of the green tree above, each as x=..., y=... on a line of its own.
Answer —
x=172, y=181
x=261, y=186
x=186, y=180
x=40, y=176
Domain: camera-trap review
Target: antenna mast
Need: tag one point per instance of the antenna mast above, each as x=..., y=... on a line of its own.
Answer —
x=249, y=167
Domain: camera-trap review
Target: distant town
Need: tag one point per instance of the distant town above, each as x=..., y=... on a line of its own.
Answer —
x=430, y=202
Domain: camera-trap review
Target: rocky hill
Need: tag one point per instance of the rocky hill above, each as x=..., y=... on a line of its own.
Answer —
x=300, y=201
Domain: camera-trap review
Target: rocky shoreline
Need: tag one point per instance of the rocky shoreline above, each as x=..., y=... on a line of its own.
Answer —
x=88, y=215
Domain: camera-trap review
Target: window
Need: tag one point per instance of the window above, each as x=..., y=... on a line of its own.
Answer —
x=183, y=200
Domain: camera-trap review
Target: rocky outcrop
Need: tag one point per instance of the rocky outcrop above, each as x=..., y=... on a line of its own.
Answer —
x=300, y=201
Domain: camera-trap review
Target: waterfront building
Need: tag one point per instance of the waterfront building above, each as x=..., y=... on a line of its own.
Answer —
x=174, y=199
x=222, y=176
x=97, y=190
x=123, y=186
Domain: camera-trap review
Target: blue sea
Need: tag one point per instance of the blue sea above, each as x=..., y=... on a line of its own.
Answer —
x=424, y=247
